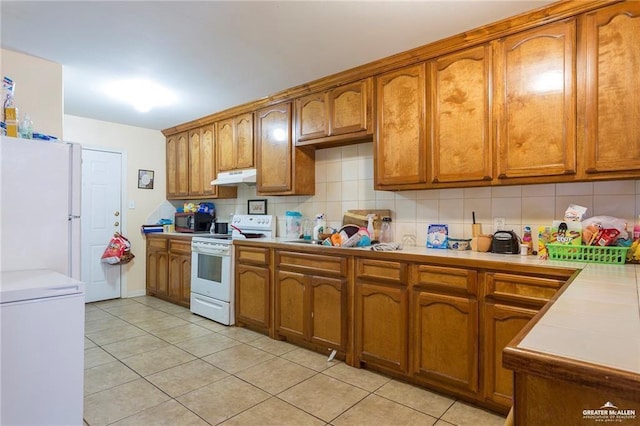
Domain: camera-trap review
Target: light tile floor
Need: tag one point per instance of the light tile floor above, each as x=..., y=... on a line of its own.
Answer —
x=150, y=362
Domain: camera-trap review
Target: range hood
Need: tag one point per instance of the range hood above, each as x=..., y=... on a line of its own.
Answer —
x=247, y=176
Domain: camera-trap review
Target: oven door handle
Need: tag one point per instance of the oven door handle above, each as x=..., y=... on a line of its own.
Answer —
x=221, y=253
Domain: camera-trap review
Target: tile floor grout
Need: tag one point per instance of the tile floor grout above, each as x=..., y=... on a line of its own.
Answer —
x=172, y=311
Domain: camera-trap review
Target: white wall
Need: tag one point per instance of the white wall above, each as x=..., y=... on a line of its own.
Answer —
x=38, y=90
x=145, y=149
x=344, y=180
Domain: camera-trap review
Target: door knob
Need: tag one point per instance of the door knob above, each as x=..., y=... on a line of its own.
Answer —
x=116, y=223
x=116, y=213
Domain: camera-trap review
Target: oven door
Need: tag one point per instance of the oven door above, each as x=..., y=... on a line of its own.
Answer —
x=211, y=274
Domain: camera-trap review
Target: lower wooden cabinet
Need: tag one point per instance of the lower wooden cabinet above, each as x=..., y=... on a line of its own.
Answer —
x=444, y=330
x=445, y=339
x=511, y=301
x=439, y=326
x=311, y=300
x=328, y=306
x=501, y=324
x=157, y=267
x=291, y=304
x=168, y=273
x=381, y=315
x=253, y=288
x=180, y=272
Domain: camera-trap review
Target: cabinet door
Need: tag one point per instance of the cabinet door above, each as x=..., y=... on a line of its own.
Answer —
x=400, y=145
x=535, y=102
x=157, y=266
x=157, y=272
x=273, y=142
x=381, y=325
x=611, y=137
x=244, y=141
x=177, y=166
x=350, y=108
x=328, y=325
x=208, y=161
x=501, y=324
x=185, y=288
x=253, y=287
x=195, y=163
x=312, y=114
x=461, y=141
x=182, y=164
x=226, y=152
x=179, y=278
x=445, y=339
x=291, y=304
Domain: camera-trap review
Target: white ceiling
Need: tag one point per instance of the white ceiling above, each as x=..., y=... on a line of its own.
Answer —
x=218, y=54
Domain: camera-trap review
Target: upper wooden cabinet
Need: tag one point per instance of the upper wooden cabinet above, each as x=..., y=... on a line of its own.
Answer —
x=178, y=166
x=191, y=166
x=341, y=114
x=610, y=87
x=548, y=96
x=202, y=166
x=461, y=145
x=400, y=146
x=235, y=143
x=535, y=102
x=282, y=168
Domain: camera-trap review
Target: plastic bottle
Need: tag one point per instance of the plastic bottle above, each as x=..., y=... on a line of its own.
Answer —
x=636, y=229
x=386, y=233
x=370, y=225
x=26, y=128
x=293, y=224
x=320, y=225
x=527, y=240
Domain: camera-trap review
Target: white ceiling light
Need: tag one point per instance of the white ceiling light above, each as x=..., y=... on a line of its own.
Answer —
x=142, y=94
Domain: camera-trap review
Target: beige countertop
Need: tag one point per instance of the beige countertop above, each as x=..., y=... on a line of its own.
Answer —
x=595, y=320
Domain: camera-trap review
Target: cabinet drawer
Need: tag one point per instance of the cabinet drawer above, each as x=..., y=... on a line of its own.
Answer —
x=441, y=277
x=157, y=244
x=311, y=263
x=381, y=270
x=180, y=246
x=252, y=255
x=522, y=288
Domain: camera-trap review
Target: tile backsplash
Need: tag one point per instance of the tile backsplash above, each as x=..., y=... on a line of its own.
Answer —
x=344, y=181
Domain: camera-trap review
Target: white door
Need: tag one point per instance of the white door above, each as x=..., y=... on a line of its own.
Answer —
x=101, y=218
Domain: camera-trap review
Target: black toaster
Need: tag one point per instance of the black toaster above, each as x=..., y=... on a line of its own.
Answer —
x=505, y=242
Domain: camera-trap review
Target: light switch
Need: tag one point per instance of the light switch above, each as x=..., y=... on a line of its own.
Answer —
x=132, y=204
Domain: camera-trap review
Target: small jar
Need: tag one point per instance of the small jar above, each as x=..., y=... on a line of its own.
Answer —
x=386, y=232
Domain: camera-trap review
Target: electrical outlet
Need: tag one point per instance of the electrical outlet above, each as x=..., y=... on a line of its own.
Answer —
x=498, y=223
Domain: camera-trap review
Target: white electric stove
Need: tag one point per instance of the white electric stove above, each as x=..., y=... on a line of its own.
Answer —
x=212, y=273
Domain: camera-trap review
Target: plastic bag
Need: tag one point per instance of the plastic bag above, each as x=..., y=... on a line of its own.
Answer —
x=118, y=251
x=594, y=224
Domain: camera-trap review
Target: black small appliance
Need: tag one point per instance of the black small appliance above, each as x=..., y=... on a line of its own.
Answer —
x=194, y=222
x=505, y=242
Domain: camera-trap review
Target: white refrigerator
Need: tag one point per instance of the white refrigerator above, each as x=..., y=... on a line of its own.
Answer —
x=40, y=187
x=41, y=299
